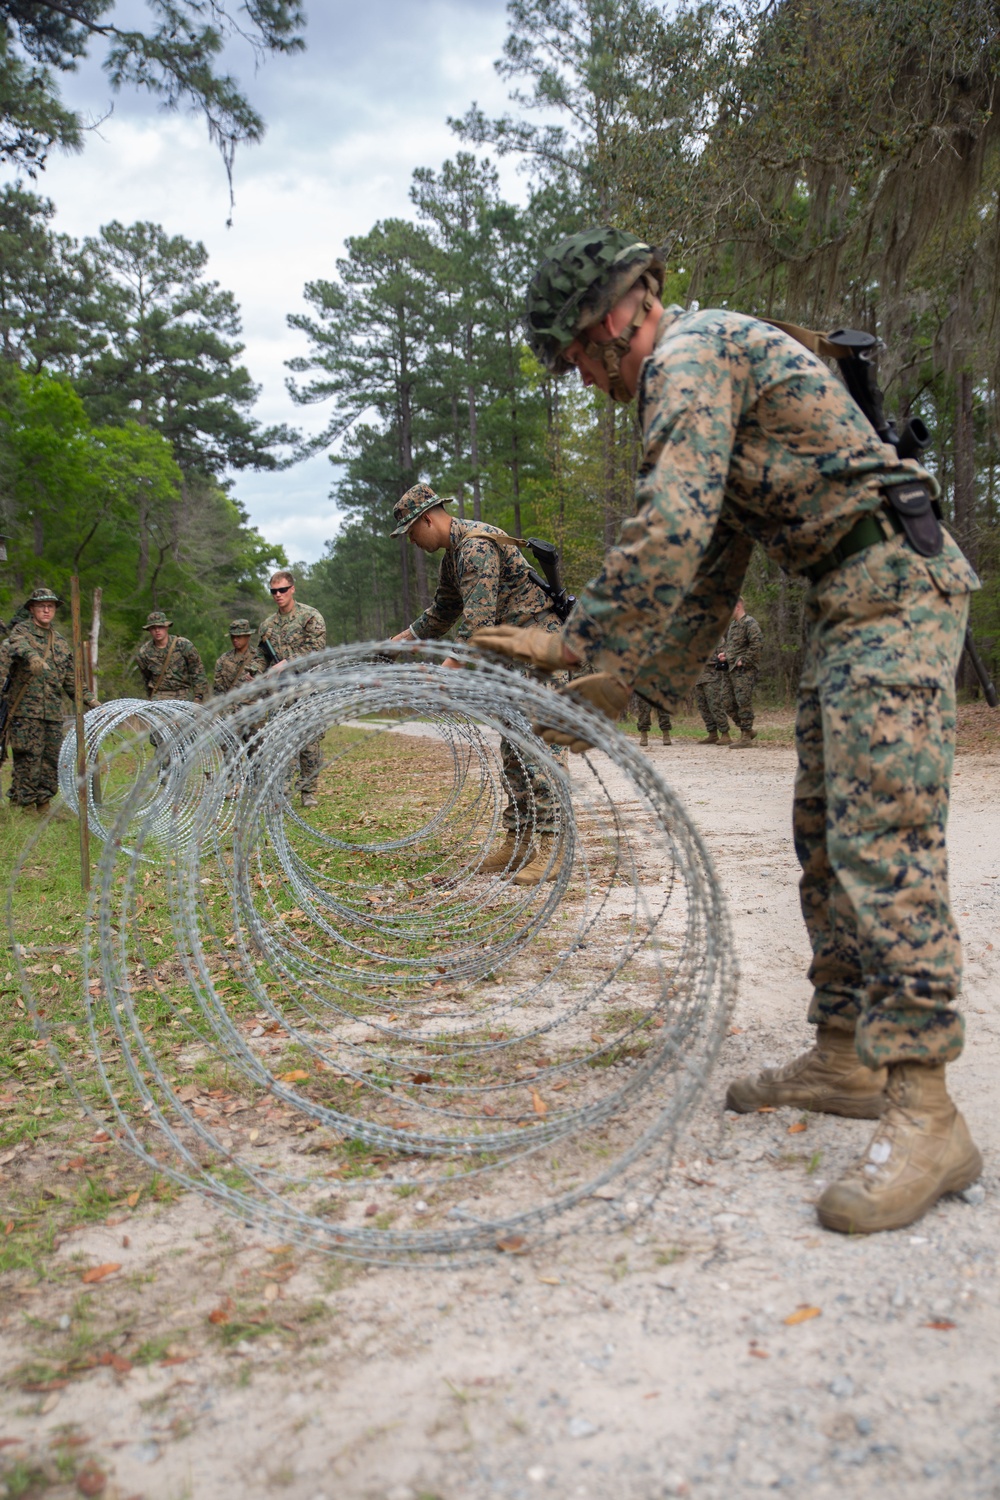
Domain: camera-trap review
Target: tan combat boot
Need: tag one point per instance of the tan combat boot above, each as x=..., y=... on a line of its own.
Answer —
x=666, y=736
x=921, y=1149
x=309, y=799
x=711, y=738
x=539, y=869
x=829, y=1079
x=643, y=738
x=723, y=738
x=746, y=739
x=514, y=848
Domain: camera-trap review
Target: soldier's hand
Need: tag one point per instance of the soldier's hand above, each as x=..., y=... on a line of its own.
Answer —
x=36, y=666
x=600, y=690
x=533, y=646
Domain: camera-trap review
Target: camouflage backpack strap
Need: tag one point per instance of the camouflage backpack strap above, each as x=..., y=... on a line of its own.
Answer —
x=159, y=681
x=498, y=538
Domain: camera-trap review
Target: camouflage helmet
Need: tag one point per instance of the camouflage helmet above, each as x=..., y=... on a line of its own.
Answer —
x=580, y=281
x=240, y=627
x=156, y=617
x=42, y=595
x=418, y=498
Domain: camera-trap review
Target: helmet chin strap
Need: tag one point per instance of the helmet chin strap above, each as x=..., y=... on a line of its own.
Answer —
x=614, y=351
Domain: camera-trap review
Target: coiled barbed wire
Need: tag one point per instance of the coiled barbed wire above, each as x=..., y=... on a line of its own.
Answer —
x=355, y=1035
x=119, y=756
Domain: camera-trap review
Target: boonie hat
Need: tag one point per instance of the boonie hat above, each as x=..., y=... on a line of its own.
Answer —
x=240, y=627
x=413, y=504
x=42, y=595
x=156, y=617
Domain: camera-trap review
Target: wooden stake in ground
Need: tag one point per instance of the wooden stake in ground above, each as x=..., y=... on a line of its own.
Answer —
x=79, y=678
x=95, y=635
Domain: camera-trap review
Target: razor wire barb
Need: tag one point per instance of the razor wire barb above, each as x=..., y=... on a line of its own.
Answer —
x=340, y=1027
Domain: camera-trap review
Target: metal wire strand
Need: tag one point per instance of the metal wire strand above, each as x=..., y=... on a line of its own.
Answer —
x=347, y=1030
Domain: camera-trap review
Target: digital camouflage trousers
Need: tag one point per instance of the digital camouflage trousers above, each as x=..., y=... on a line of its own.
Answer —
x=708, y=696
x=875, y=736
x=310, y=760
x=736, y=695
x=530, y=800
x=644, y=717
x=34, y=746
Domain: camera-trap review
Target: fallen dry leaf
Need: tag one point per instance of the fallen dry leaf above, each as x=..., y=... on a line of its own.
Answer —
x=50, y=1403
x=98, y=1273
x=271, y=1292
x=756, y=1353
x=90, y=1480
x=802, y=1314
x=133, y=1198
x=8, y=1228
x=117, y=1362
x=421, y=1078
x=797, y=1129
x=513, y=1244
x=488, y=1109
x=538, y=1104
x=297, y=1075
x=943, y=1325
x=221, y=1314
x=100, y=1135
x=766, y=1109
x=550, y=1281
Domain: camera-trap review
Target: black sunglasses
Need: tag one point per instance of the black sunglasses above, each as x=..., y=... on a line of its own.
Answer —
x=282, y=591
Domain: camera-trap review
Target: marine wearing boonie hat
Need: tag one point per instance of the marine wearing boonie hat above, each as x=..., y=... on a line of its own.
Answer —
x=42, y=595
x=413, y=504
x=240, y=627
x=156, y=617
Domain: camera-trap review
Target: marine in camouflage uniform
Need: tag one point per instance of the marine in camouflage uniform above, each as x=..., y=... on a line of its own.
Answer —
x=39, y=664
x=171, y=666
x=488, y=582
x=707, y=696
x=293, y=631
x=644, y=718
x=742, y=648
x=238, y=665
x=749, y=437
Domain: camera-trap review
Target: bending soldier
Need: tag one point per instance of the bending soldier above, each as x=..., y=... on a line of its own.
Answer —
x=295, y=630
x=740, y=657
x=749, y=437
x=37, y=664
x=485, y=582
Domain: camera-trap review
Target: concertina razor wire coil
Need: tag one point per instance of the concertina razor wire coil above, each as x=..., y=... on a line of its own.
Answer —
x=338, y=1027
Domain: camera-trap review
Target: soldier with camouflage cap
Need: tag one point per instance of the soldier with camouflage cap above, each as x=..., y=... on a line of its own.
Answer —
x=749, y=437
x=296, y=630
x=36, y=662
x=239, y=664
x=170, y=664
x=484, y=580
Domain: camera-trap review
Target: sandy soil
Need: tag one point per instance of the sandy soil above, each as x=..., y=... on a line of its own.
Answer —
x=663, y=1359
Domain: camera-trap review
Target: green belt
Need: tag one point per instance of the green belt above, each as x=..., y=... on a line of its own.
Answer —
x=866, y=532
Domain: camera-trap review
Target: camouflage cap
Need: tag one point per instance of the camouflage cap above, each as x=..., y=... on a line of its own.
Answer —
x=413, y=504
x=240, y=627
x=580, y=281
x=42, y=595
x=156, y=617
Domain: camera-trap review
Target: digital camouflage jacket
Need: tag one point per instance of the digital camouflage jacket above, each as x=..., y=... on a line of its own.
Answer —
x=40, y=665
x=747, y=437
x=185, y=673
x=235, y=667
x=482, y=584
x=743, y=644
x=710, y=671
x=302, y=630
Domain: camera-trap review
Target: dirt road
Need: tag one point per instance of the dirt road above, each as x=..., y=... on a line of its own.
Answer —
x=722, y=1346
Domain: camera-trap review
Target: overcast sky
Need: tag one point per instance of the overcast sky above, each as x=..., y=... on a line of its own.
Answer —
x=348, y=121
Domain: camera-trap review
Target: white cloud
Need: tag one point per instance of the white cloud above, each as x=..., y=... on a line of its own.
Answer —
x=348, y=121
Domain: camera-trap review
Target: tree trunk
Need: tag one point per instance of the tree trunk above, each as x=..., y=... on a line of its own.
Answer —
x=477, y=507
x=404, y=571
x=965, y=467
x=610, y=507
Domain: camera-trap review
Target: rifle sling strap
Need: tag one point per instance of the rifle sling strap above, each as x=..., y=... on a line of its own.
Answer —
x=816, y=343
x=159, y=681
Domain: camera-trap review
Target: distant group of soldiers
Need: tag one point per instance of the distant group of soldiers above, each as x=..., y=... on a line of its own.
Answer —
x=724, y=689
x=36, y=664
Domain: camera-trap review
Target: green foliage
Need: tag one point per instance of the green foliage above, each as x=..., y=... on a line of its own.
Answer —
x=176, y=60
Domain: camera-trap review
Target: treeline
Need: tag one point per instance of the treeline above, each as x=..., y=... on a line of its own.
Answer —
x=124, y=410
x=830, y=163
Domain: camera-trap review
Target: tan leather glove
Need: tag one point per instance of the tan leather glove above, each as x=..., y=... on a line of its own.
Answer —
x=532, y=646
x=600, y=690
x=37, y=666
